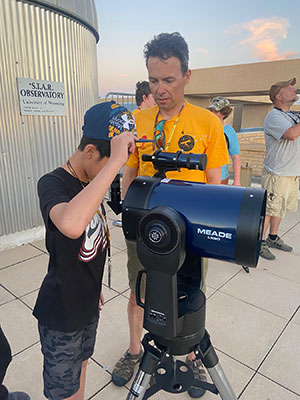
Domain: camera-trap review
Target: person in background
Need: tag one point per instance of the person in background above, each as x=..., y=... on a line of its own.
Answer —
x=221, y=107
x=5, y=360
x=143, y=96
x=174, y=125
x=78, y=240
x=281, y=166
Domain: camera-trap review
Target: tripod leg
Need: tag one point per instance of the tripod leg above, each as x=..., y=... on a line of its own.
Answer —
x=206, y=352
x=139, y=386
x=222, y=384
x=246, y=269
x=149, y=362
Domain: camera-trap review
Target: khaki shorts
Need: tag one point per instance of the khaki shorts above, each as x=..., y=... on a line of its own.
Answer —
x=282, y=194
x=134, y=265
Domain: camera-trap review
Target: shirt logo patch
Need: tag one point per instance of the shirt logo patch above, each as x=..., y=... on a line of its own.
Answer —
x=186, y=143
x=94, y=239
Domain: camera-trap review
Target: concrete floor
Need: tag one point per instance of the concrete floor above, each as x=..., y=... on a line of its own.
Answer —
x=253, y=320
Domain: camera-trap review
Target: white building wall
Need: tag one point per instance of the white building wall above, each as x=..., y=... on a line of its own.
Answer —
x=42, y=44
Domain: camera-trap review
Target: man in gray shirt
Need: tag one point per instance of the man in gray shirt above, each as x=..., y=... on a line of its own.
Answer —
x=281, y=167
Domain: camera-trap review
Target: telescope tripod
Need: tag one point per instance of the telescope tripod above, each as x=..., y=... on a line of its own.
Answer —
x=174, y=311
x=174, y=376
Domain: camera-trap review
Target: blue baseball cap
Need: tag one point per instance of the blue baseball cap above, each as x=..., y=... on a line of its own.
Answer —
x=107, y=119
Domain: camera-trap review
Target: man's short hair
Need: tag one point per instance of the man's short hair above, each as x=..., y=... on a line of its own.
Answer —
x=142, y=88
x=167, y=45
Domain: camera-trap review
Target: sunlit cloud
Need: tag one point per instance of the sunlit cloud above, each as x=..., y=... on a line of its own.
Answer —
x=263, y=35
x=200, y=50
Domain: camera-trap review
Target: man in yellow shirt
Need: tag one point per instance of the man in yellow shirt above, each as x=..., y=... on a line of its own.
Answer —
x=176, y=125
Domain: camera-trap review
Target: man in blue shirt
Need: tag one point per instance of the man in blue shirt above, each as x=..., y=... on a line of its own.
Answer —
x=221, y=107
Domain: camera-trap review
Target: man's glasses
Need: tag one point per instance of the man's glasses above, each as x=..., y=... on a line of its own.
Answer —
x=159, y=135
x=159, y=139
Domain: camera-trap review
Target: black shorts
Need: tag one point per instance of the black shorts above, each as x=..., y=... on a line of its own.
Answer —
x=64, y=353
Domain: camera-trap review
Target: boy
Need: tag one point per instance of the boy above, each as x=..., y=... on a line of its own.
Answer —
x=77, y=238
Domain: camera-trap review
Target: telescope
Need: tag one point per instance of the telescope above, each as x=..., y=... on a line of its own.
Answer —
x=175, y=224
x=222, y=222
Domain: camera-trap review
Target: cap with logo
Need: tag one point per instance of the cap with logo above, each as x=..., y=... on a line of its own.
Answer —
x=218, y=103
x=279, y=85
x=106, y=120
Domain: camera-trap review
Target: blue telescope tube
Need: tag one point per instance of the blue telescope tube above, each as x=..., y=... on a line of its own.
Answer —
x=222, y=222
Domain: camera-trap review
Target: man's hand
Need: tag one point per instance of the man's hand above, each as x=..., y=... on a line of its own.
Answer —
x=292, y=133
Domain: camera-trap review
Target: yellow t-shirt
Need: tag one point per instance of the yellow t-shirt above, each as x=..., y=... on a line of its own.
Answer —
x=197, y=131
x=136, y=110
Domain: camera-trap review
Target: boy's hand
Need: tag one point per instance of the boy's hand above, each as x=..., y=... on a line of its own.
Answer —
x=122, y=146
x=101, y=301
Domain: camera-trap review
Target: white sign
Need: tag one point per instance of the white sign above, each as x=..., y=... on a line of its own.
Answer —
x=41, y=97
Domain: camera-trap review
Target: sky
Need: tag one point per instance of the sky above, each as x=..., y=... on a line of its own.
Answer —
x=217, y=32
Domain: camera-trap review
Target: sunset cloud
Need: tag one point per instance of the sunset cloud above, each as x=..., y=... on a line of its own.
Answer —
x=263, y=35
x=200, y=50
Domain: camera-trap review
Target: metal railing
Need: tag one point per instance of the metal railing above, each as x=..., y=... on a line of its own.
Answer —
x=250, y=130
x=125, y=99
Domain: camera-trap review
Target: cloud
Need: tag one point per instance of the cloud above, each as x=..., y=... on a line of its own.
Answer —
x=200, y=50
x=124, y=75
x=263, y=35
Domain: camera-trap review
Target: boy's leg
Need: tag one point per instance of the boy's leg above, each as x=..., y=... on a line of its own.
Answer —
x=80, y=394
x=65, y=360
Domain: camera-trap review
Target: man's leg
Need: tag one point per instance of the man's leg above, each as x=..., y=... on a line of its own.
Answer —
x=274, y=225
x=264, y=249
x=124, y=368
x=273, y=240
x=282, y=197
x=135, y=320
x=268, y=183
x=266, y=226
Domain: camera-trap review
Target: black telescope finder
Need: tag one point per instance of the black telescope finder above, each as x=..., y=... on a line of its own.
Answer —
x=164, y=161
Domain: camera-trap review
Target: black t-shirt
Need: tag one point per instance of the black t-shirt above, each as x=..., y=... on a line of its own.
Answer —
x=69, y=296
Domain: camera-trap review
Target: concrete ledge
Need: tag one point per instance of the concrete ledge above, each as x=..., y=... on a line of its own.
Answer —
x=19, y=238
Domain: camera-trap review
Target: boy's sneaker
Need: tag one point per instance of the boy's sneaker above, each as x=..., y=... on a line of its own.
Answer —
x=278, y=244
x=265, y=252
x=124, y=368
x=199, y=373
